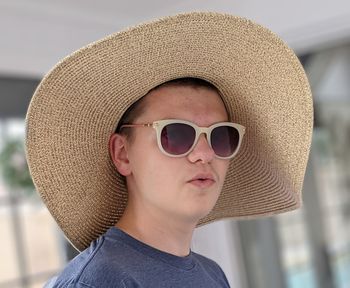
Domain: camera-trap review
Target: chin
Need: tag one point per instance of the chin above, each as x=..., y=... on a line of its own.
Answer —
x=200, y=213
x=199, y=208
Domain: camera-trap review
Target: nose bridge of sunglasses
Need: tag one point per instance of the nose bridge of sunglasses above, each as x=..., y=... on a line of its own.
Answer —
x=203, y=132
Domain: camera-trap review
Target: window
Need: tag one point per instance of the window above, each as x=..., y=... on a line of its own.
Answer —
x=32, y=246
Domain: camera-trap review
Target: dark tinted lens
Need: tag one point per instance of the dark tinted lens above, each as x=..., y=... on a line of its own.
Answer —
x=224, y=140
x=177, y=138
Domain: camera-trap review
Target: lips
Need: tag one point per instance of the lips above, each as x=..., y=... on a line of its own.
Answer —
x=202, y=180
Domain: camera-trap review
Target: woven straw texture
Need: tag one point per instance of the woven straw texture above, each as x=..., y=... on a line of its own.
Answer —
x=79, y=102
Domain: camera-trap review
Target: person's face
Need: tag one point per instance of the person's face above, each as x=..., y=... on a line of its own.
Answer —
x=169, y=186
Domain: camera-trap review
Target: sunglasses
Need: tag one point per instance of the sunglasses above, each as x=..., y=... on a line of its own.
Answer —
x=177, y=138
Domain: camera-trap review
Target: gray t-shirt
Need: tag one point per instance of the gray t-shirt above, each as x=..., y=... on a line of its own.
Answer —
x=116, y=259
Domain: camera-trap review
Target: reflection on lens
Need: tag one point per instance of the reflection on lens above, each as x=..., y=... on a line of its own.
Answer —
x=224, y=140
x=177, y=138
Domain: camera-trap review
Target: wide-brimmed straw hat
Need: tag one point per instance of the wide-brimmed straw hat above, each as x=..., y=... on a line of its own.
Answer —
x=78, y=104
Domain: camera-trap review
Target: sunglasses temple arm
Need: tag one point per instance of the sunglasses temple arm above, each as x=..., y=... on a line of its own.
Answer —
x=136, y=125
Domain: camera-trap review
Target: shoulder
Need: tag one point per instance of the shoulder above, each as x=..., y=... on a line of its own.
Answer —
x=212, y=268
x=205, y=261
x=94, y=267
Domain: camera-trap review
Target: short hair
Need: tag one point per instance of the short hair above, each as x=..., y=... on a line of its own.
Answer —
x=138, y=107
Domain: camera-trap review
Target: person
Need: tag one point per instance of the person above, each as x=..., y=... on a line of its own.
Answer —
x=135, y=140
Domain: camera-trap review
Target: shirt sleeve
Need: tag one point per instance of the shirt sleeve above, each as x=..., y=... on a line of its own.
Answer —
x=51, y=282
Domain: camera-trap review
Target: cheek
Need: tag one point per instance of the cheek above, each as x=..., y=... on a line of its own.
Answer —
x=152, y=171
x=160, y=186
x=221, y=168
x=163, y=175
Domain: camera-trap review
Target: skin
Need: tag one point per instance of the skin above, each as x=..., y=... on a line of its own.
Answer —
x=165, y=203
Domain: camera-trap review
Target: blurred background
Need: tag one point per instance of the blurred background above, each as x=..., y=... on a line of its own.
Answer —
x=308, y=248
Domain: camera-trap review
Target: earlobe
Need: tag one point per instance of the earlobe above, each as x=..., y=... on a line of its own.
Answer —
x=119, y=153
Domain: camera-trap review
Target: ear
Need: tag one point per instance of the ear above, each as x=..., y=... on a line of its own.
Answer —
x=119, y=153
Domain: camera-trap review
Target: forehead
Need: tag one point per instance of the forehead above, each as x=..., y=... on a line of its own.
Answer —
x=182, y=102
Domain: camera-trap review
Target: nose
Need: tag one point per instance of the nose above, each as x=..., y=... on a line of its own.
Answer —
x=201, y=151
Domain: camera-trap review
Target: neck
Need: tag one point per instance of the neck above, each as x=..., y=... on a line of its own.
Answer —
x=161, y=232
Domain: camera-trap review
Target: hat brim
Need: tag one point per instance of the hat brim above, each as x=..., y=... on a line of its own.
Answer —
x=79, y=102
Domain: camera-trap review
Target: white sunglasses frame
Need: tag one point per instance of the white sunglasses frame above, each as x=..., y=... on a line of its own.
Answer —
x=160, y=124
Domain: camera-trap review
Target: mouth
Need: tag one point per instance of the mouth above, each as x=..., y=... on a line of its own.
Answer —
x=202, y=180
